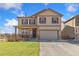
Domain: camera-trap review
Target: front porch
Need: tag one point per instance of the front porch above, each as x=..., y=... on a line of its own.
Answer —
x=27, y=33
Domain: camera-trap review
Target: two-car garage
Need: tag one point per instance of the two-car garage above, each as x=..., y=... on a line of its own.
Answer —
x=48, y=35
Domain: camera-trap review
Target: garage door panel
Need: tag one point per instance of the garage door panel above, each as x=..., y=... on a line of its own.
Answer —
x=48, y=35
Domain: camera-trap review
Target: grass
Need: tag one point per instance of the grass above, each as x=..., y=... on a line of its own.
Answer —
x=19, y=48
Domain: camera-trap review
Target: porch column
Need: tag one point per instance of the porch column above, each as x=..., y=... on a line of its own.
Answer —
x=15, y=27
x=15, y=30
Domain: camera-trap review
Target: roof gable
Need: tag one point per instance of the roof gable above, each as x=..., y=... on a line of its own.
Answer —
x=47, y=12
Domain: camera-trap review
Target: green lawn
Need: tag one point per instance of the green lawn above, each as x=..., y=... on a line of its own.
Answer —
x=19, y=48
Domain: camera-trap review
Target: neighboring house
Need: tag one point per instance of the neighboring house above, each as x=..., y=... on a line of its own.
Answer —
x=44, y=26
x=3, y=37
x=71, y=29
x=62, y=29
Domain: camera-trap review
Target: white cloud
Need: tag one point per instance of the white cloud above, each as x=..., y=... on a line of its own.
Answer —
x=9, y=30
x=71, y=16
x=21, y=13
x=17, y=8
x=11, y=5
x=18, y=12
x=46, y=4
x=63, y=19
x=11, y=23
x=72, y=7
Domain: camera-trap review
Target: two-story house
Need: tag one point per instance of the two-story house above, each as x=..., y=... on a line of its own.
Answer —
x=71, y=28
x=44, y=26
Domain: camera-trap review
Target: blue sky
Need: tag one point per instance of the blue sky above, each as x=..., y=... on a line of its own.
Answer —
x=10, y=11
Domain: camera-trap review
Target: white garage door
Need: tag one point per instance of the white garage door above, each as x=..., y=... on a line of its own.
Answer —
x=48, y=35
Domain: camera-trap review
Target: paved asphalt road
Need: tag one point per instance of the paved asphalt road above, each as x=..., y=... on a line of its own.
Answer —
x=59, y=49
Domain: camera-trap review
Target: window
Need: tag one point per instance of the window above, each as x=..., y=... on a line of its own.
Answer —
x=42, y=20
x=31, y=21
x=54, y=20
x=25, y=32
x=24, y=21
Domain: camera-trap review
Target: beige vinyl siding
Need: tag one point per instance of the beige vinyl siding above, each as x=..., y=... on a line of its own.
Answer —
x=47, y=12
x=49, y=28
x=71, y=23
x=77, y=27
x=48, y=21
x=77, y=20
x=69, y=30
x=62, y=26
x=19, y=21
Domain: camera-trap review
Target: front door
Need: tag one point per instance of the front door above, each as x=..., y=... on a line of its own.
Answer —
x=34, y=33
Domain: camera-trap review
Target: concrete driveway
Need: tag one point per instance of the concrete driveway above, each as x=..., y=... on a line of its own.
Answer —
x=59, y=49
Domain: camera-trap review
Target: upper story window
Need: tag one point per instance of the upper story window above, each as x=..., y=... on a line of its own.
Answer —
x=42, y=20
x=54, y=20
x=24, y=21
x=31, y=21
